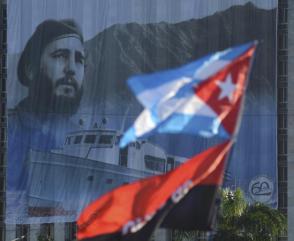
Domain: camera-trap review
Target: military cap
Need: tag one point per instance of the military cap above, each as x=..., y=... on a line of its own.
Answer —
x=45, y=33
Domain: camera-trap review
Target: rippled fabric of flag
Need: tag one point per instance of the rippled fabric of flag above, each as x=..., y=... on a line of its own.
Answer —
x=202, y=98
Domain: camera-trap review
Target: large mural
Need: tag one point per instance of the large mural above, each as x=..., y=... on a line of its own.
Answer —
x=68, y=102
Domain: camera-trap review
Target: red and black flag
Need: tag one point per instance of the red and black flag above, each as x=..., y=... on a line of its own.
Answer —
x=132, y=211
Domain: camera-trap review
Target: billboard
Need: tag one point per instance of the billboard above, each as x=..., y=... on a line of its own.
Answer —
x=68, y=103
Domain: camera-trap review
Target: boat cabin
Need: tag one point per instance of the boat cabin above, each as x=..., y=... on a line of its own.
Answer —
x=103, y=145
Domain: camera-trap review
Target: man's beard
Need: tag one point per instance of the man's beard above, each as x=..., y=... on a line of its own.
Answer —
x=45, y=100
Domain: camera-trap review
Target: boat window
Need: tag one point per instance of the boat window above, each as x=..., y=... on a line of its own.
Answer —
x=170, y=163
x=105, y=139
x=123, y=157
x=68, y=140
x=117, y=140
x=89, y=139
x=138, y=146
x=78, y=139
x=154, y=163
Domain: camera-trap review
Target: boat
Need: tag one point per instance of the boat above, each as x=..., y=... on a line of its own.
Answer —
x=90, y=163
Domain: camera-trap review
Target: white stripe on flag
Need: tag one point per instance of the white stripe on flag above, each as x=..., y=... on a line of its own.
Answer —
x=211, y=67
x=150, y=96
x=144, y=123
x=194, y=106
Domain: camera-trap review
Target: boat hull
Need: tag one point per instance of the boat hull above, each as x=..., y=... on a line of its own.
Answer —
x=63, y=185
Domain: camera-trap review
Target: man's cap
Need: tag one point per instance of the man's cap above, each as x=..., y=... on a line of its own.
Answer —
x=45, y=33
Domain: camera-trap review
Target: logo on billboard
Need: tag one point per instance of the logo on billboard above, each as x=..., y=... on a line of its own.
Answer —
x=261, y=189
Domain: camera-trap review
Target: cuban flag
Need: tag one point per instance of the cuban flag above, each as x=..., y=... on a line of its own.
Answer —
x=201, y=98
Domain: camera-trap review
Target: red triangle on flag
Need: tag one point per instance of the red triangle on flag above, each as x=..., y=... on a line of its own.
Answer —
x=224, y=91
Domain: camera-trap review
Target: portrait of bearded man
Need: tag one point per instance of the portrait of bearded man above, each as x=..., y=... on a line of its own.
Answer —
x=52, y=67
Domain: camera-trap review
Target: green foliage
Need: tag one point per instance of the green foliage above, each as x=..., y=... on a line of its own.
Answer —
x=263, y=222
x=238, y=221
x=232, y=207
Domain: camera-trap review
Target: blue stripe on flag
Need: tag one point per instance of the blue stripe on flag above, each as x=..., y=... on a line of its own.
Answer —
x=129, y=136
x=194, y=125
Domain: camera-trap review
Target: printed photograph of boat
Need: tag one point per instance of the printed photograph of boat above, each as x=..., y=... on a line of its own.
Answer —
x=63, y=181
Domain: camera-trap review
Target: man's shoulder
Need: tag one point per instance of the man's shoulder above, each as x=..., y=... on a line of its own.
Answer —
x=15, y=125
x=18, y=117
x=13, y=114
x=17, y=109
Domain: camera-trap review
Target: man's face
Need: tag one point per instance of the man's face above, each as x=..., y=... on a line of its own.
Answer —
x=62, y=73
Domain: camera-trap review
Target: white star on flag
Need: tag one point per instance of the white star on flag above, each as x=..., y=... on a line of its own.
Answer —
x=227, y=88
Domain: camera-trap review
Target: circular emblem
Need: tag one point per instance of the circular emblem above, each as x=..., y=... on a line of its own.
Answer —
x=261, y=189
